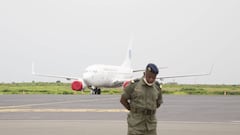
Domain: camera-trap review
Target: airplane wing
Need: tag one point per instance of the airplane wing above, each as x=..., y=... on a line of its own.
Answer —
x=54, y=76
x=142, y=70
x=119, y=82
x=181, y=76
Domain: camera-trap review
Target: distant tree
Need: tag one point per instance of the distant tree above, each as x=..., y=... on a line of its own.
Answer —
x=58, y=81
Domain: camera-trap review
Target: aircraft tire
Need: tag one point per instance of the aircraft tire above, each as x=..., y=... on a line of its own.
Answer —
x=99, y=91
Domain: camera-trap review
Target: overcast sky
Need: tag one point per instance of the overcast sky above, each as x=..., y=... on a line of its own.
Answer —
x=63, y=37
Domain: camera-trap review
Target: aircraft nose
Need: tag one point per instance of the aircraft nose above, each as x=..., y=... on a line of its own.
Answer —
x=87, y=75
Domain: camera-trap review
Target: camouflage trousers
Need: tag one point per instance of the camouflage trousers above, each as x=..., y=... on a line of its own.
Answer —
x=140, y=124
x=148, y=132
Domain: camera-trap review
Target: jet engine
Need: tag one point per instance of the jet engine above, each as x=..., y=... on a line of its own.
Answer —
x=78, y=85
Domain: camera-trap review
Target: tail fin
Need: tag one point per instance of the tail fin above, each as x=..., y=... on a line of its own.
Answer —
x=127, y=62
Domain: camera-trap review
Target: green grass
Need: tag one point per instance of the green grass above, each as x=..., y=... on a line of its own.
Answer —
x=65, y=89
x=46, y=88
x=201, y=89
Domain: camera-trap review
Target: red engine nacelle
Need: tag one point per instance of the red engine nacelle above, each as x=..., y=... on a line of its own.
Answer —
x=77, y=85
x=125, y=84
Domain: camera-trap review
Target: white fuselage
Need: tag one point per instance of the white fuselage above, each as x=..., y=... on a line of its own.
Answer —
x=106, y=75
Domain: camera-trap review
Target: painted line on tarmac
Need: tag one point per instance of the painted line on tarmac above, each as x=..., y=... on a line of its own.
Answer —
x=201, y=122
x=63, y=110
x=54, y=103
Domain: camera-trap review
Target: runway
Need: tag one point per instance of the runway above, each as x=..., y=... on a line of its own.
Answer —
x=94, y=114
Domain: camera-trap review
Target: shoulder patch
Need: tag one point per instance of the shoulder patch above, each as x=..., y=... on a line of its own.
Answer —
x=158, y=84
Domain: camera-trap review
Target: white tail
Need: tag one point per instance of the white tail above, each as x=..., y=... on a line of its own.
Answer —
x=127, y=62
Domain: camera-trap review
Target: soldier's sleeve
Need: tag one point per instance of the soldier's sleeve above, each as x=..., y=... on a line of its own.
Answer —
x=127, y=91
x=160, y=99
x=126, y=96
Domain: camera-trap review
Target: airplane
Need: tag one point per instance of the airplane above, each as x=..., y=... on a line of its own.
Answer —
x=100, y=75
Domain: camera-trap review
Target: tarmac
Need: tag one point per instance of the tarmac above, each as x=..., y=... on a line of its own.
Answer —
x=104, y=115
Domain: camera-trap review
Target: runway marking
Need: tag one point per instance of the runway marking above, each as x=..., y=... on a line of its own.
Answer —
x=201, y=122
x=63, y=110
x=54, y=103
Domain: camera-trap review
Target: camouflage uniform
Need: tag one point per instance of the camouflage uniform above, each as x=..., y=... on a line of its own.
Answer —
x=144, y=100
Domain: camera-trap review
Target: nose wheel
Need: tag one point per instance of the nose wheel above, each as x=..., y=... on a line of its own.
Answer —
x=95, y=91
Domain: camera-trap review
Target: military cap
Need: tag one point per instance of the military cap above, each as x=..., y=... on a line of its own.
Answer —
x=152, y=68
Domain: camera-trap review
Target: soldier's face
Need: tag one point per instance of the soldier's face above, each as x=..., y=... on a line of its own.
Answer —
x=150, y=77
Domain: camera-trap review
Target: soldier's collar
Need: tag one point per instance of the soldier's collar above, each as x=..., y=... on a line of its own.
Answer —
x=144, y=82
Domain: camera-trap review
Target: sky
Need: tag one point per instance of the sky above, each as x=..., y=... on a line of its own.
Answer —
x=63, y=37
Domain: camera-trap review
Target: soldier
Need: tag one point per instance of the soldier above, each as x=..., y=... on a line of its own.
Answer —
x=142, y=97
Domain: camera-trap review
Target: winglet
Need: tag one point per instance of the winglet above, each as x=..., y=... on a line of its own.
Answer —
x=210, y=72
x=33, y=71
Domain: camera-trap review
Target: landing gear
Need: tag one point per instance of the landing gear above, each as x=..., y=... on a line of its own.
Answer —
x=95, y=91
x=98, y=91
